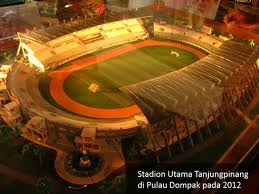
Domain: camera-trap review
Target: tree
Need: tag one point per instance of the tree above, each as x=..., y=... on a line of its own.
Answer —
x=17, y=132
x=8, y=56
x=114, y=186
x=1, y=56
x=6, y=132
x=174, y=18
x=104, y=186
x=38, y=152
x=43, y=185
x=138, y=141
x=33, y=151
x=133, y=151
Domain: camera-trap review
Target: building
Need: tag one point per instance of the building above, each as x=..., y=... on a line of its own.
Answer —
x=87, y=141
x=3, y=77
x=11, y=114
x=4, y=97
x=5, y=69
x=45, y=51
x=36, y=129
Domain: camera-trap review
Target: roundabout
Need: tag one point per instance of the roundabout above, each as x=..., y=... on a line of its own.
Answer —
x=83, y=165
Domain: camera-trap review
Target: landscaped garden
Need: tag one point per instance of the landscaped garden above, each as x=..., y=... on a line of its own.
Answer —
x=26, y=158
x=83, y=165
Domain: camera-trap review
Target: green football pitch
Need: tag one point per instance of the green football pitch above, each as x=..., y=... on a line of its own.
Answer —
x=135, y=66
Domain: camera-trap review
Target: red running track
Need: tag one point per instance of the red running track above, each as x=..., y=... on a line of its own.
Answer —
x=60, y=75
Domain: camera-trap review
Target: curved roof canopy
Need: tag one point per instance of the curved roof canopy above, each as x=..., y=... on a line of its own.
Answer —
x=196, y=90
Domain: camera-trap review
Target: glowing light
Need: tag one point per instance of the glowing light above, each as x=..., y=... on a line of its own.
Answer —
x=33, y=60
x=68, y=5
x=252, y=43
x=100, y=8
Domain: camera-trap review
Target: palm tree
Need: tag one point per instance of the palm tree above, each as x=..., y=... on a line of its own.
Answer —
x=17, y=132
x=33, y=151
x=38, y=152
x=43, y=185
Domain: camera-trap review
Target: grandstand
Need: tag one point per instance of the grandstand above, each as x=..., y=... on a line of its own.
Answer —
x=46, y=51
x=197, y=38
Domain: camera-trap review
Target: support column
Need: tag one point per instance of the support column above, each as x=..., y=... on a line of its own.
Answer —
x=197, y=127
x=18, y=50
x=188, y=132
x=207, y=126
x=222, y=113
x=252, y=83
x=177, y=133
x=149, y=129
x=248, y=88
x=254, y=74
x=241, y=83
x=206, y=123
x=238, y=99
x=214, y=116
x=228, y=106
x=166, y=143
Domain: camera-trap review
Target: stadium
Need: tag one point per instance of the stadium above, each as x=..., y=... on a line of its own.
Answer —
x=88, y=83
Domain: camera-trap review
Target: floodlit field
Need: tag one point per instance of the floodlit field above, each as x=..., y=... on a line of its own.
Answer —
x=141, y=64
x=137, y=65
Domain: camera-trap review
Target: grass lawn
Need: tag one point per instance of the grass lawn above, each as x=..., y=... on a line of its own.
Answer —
x=135, y=66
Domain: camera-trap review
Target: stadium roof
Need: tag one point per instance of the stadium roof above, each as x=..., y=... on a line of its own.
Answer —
x=196, y=90
x=67, y=27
